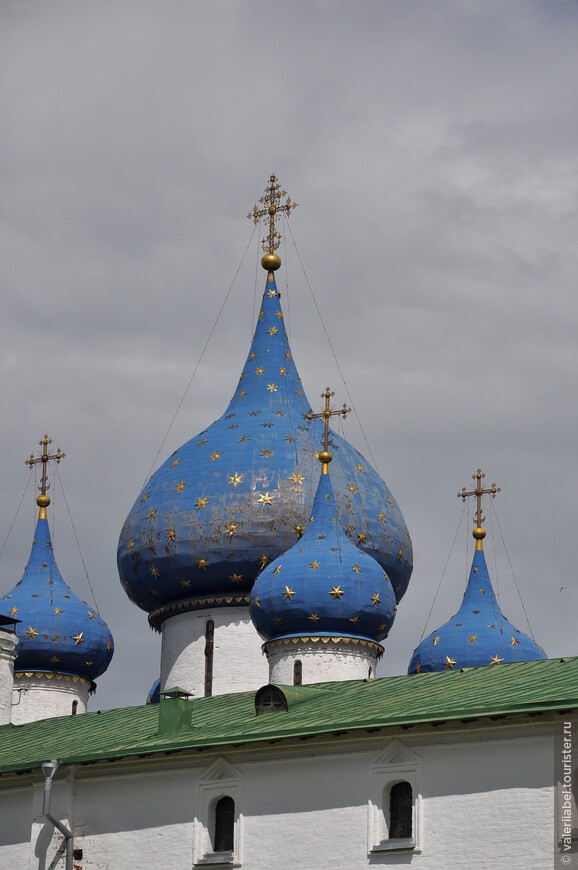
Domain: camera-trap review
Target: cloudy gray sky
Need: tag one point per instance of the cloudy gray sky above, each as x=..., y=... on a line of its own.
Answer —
x=432, y=148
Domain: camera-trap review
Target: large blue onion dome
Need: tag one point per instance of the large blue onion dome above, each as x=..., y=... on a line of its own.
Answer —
x=239, y=494
x=58, y=632
x=479, y=633
x=323, y=585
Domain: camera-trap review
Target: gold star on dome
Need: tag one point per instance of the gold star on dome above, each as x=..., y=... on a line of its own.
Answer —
x=482, y=591
x=313, y=617
x=381, y=626
x=54, y=660
x=288, y=593
x=399, y=555
x=272, y=293
x=185, y=583
x=279, y=314
x=290, y=439
x=235, y=578
x=90, y=615
x=266, y=453
x=356, y=568
x=298, y=530
x=277, y=620
x=473, y=638
x=282, y=370
x=314, y=565
x=272, y=388
x=375, y=599
x=515, y=641
x=180, y=486
x=449, y=663
x=235, y=479
x=257, y=601
x=491, y=625
x=261, y=315
x=264, y=498
x=201, y=503
x=202, y=443
x=171, y=535
x=277, y=569
x=241, y=394
x=202, y=564
x=382, y=517
x=32, y=633
x=244, y=438
x=389, y=500
x=145, y=497
x=436, y=640
x=231, y=529
x=152, y=514
x=418, y=668
x=263, y=560
x=78, y=638
x=354, y=619
x=288, y=356
x=155, y=571
x=272, y=330
x=252, y=355
x=475, y=570
x=475, y=611
x=296, y=477
x=361, y=469
x=299, y=392
x=215, y=455
x=336, y=592
x=352, y=488
x=361, y=538
x=108, y=645
x=495, y=660
x=88, y=664
x=131, y=544
x=259, y=370
x=13, y=611
x=175, y=463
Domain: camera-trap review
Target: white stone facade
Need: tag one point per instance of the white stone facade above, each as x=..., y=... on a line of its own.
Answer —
x=38, y=695
x=8, y=642
x=321, y=661
x=483, y=797
x=238, y=662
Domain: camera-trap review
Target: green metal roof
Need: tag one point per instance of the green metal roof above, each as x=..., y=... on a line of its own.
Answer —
x=520, y=687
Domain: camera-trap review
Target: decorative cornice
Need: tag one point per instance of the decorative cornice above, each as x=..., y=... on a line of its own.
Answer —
x=157, y=617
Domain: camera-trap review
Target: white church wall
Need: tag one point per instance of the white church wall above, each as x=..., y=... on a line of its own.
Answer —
x=486, y=803
x=8, y=641
x=335, y=662
x=43, y=696
x=238, y=663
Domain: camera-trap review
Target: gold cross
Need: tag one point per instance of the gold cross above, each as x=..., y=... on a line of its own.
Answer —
x=478, y=492
x=272, y=206
x=325, y=415
x=44, y=457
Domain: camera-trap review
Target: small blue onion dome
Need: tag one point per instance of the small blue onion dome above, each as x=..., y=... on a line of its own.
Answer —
x=323, y=585
x=57, y=631
x=154, y=694
x=478, y=634
x=234, y=498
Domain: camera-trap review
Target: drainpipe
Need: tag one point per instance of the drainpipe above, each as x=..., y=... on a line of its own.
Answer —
x=49, y=768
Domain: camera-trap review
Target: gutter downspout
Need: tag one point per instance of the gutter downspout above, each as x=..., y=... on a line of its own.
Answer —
x=49, y=768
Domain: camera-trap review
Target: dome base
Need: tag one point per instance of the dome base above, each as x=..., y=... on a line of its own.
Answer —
x=46, y=694
x=323, y=659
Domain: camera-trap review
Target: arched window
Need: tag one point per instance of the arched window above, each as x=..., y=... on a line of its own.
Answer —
x=400, y=811
x=74, y=708
x=209, y=644
x=297, y=673
x=224, y=825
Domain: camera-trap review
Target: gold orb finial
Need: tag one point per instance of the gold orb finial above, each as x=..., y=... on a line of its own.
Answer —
x=271, y=262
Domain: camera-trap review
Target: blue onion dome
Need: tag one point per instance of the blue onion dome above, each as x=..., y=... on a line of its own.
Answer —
x=479, y=633
x=323, y=585
x=239, y=494
x=154, y=694
x=58, y=632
